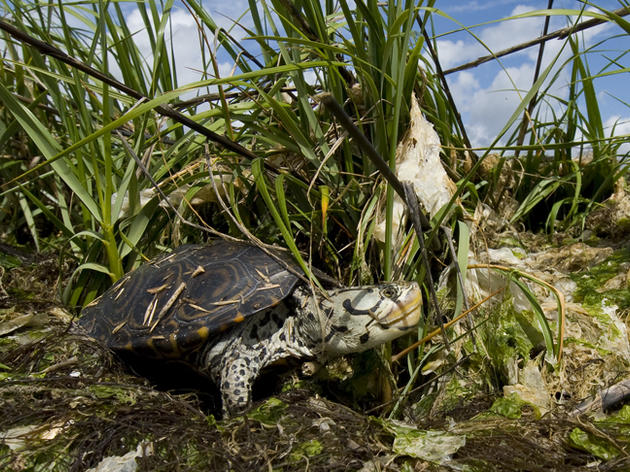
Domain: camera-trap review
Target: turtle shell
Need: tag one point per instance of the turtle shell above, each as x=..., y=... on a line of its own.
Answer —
x=170, y=307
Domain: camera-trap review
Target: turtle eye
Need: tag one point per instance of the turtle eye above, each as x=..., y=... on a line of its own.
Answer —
x=388, y=292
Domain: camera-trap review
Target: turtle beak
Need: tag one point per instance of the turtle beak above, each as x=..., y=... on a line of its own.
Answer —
x=408, y=311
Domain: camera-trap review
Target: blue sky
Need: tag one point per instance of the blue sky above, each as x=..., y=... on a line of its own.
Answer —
x=481, y=93
x=485, y=95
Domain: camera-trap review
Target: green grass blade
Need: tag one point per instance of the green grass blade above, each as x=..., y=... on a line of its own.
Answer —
x=539, y=314
x=48, y=147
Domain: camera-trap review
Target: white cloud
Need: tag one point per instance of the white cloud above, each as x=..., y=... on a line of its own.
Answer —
x=508, y=33
x=452, y=53
x=618, y=126
x=226, y=13
x=490, y=108
x=495, y=37
x=488, y=96
x=463, y=85
x=187, y=44
x=475, y=5
x=512, y=32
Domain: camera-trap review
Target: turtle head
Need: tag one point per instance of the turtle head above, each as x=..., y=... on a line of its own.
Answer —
x=359, y=318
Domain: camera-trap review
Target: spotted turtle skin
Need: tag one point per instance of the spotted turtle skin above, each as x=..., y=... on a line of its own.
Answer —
x=168, y=308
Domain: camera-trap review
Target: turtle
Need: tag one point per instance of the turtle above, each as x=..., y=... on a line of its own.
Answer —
x=228, y=309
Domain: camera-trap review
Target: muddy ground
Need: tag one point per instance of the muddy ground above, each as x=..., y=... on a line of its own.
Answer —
x=494, y=401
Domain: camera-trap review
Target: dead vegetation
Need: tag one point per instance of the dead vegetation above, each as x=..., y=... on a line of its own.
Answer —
x=67, y=404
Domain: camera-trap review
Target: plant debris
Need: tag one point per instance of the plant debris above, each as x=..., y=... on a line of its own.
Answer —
x=67, y=404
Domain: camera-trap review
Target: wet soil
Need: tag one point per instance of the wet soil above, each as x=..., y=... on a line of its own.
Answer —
x=66, y=403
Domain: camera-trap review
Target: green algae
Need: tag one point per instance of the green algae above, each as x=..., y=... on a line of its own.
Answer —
x=269, y=412
x=512, y=406
x=309, y=448
x=122, y=395
x=596, y=445
x=591, y=284
x=429, y=445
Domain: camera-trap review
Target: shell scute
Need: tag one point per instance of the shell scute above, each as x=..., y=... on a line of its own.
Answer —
x=173, y=305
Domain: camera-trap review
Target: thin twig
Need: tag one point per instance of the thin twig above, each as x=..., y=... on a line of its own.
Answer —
x=437, y=331
x=605, y=399
x=366, y=146
x=559, y=297
x=559, y=34
x=207, y=228
x=532, y=103
x=213, y=97
x=124, y=129
x=166, y=110
x=447, y=90
x=414, y=211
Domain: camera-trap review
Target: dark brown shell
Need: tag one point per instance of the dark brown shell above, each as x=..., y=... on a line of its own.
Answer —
x=171, y=306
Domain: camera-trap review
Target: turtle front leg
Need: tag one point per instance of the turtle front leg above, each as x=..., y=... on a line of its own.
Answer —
x=235, y=361
x=236, y=378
